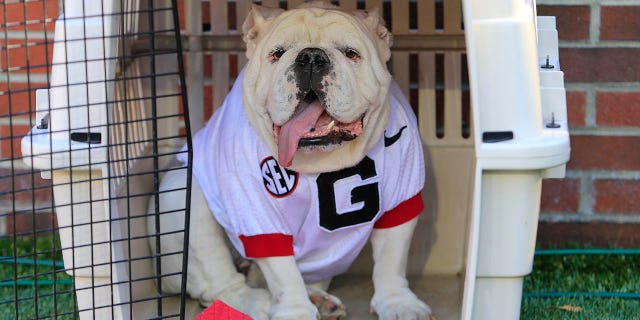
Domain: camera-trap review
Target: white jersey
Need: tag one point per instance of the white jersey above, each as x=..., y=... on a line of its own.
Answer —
x=323, y=220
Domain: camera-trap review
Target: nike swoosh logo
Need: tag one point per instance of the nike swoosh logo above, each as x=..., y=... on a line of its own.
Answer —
x=388, y=141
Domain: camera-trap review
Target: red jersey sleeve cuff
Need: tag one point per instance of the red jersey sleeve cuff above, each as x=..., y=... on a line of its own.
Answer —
x=402, y=213
x=267, y=245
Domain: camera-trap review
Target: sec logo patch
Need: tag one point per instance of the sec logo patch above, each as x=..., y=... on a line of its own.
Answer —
x=279, y=181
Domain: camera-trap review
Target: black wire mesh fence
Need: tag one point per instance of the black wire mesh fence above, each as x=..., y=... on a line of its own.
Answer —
x=92, y=110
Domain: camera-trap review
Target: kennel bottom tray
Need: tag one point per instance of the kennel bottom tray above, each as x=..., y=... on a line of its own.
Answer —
x=442, y=293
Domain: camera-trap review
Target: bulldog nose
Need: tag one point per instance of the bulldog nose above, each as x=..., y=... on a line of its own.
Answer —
x=314, y=58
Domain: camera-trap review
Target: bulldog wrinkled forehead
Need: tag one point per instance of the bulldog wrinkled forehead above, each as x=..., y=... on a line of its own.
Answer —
x=261, y=19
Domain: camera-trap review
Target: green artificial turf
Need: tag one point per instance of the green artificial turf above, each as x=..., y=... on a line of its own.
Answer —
x=34, y=295
x=586, y=274
x=554, y=274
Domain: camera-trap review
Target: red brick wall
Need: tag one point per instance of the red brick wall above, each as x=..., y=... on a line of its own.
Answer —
x=25, y=52
x=599, y=201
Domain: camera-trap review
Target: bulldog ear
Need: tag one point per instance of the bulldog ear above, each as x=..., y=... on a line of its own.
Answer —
x=376, y=23
x=255, y=23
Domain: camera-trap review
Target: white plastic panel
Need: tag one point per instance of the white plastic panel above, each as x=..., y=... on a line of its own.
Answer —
x=521, y=136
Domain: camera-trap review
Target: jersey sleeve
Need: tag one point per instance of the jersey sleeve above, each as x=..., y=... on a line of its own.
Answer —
x=252, y=220
x=404, y=212
x=404, y=169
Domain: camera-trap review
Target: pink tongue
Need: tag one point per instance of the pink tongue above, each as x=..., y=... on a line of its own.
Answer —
x=292, y=131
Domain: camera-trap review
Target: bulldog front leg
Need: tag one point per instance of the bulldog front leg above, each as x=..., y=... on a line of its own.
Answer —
x=288, y=291
x=392, y=298
x=211, y=274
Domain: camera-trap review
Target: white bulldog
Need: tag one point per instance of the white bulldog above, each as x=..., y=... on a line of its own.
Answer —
x=297, y=172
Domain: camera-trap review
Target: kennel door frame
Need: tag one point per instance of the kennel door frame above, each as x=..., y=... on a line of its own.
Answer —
x=214, y=56
x=523, y=137
x=101, y=188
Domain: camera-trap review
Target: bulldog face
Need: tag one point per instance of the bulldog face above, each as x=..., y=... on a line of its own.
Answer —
x=315, y=87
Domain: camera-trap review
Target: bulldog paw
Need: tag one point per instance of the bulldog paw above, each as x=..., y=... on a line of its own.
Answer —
x=399, y=304
x=329, y=306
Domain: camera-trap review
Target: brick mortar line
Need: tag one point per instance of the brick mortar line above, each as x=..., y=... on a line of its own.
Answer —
x=585, y=205
x=594, y=24
x=603, y=86
x=35, y=35
x=17, y=120
x=6, y=206
x=619, y=2
x=606, y=44
x=590, y=109
x=21, y=120
x=604, y=174
x=617, y=87
x=16, y=164
x=555, y=217
x=588, y=2
x=606, y=131
x=25, y=77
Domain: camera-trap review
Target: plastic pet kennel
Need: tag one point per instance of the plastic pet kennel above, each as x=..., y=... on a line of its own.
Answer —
x=484, y=79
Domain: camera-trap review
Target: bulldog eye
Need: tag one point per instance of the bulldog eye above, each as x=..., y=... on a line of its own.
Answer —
x=352, y=54
x=276, y=54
